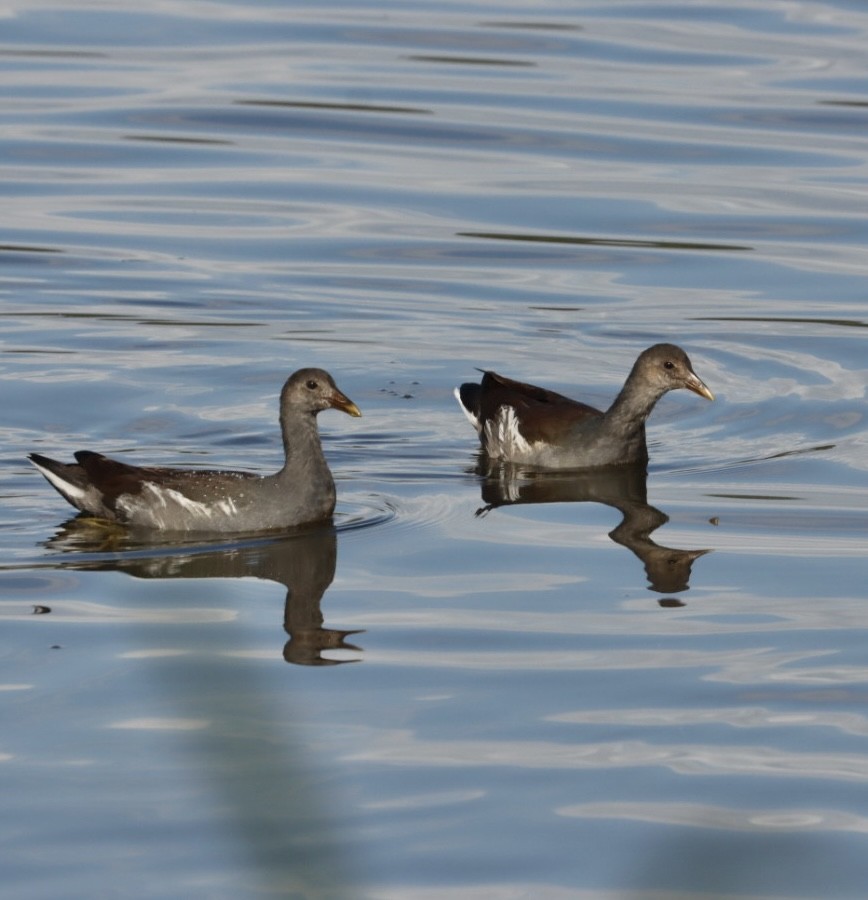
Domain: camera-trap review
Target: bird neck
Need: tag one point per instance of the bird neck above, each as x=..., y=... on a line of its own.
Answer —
x=632, y=406
x=301, y=440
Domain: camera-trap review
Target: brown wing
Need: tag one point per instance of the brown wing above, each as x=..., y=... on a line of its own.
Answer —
x=110, y=477
x=543, y=415
x=113, y=478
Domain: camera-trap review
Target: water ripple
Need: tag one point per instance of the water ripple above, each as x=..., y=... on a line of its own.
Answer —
x=201, y=197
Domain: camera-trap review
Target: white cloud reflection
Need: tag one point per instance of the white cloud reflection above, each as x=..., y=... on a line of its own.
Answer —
x=161, y=724
x=523, y=890
x=85, y=611
x=695, y=815
x=736, y=717
x=403, y=748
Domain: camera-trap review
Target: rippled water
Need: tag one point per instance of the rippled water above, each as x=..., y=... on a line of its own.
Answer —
x=470, y=687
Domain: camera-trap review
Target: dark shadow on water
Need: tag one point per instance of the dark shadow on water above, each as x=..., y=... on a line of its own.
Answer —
x=622, y=487
x=795, y=320
x=25, y=248
x=340, y=107
x=470, y=60
x=303, y=562
x=583, y=240
x=251, y=767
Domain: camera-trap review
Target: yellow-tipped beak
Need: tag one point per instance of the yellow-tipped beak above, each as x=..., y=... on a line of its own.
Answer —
x=342, y=402
x=698, y=386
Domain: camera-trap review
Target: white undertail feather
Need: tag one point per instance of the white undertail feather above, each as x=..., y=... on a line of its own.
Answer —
x=75, y=494
x=470, y=417
x=502, y=437
x=81, y=498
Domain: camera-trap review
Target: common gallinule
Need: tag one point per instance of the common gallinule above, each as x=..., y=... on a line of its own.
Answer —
x=525, y=424
x=303, y=491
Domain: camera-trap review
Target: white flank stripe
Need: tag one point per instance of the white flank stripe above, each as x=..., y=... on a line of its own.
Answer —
x=167, y=496
x=165, y=507
x=227, y=507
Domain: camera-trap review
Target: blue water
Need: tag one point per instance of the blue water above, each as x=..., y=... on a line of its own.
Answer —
x=465, y=689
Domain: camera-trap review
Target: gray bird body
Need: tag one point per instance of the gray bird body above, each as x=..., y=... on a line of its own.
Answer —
x=168, y=499
x=525, y=424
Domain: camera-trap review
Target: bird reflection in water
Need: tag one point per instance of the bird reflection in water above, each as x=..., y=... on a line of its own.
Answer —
x=622, y=487
x=303, y=561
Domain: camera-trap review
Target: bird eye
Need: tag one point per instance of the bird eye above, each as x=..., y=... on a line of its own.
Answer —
x=669, y=364
x=311, y=385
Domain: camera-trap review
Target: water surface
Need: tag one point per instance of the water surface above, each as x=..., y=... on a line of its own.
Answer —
x=564, y=687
